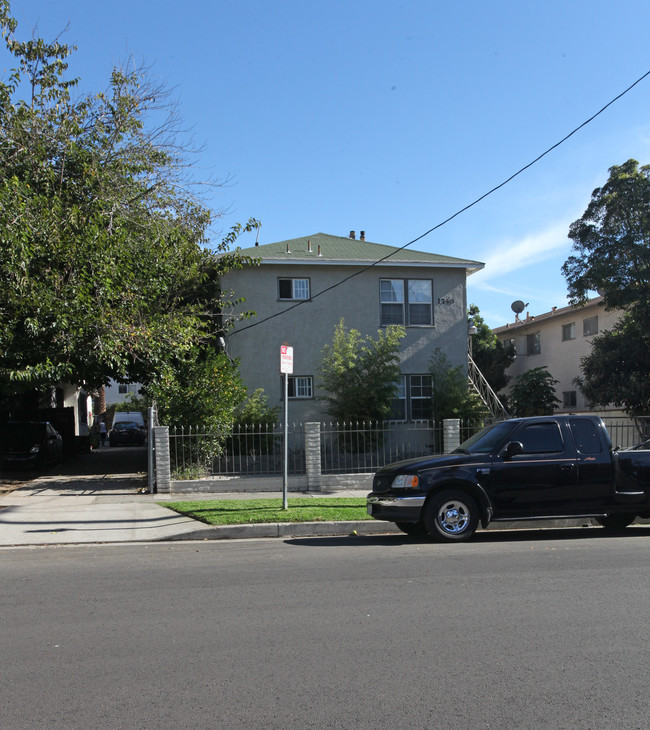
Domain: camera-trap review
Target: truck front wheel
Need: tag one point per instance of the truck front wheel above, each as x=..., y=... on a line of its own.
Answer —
x=451, y=516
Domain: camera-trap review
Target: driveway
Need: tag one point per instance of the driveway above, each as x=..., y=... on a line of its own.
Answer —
x=104, y=471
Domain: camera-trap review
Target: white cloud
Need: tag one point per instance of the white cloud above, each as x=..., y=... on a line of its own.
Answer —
x=514, y=255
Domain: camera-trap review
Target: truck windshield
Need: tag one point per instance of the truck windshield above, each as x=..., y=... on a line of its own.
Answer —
x=485, y=440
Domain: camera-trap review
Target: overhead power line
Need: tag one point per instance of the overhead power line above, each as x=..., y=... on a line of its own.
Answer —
x=451, y=217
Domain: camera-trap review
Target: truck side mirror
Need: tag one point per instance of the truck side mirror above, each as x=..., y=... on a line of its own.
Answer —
x=512, y=449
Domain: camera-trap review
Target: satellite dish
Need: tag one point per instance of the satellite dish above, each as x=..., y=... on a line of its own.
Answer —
x=518, y=306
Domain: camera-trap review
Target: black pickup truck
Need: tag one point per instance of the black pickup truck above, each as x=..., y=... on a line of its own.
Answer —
x=548, y=467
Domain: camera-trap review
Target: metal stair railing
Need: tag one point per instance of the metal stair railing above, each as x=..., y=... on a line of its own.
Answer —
x=482, y=387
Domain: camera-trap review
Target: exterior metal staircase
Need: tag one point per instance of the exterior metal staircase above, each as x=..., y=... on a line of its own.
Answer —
x=482, y=387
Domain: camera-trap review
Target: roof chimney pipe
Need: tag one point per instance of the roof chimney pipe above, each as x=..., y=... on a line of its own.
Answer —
x=362, y=235
x=353, y=234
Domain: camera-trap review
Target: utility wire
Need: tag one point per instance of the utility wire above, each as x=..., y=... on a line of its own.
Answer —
x=451, y=217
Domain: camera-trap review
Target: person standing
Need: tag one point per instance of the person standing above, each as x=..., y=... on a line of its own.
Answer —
x=102, y=432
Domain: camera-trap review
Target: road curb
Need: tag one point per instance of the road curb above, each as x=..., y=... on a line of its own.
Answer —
x=290, y=529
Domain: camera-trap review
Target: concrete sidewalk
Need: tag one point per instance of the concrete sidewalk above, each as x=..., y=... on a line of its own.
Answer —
x=110, y=508
x=43, y=518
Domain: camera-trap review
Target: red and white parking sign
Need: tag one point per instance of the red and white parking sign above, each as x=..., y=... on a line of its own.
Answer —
x=286, y=359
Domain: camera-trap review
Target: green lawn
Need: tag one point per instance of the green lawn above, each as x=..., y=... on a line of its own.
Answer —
x=249, y=511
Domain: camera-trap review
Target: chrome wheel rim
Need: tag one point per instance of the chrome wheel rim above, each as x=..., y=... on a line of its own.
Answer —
x=453, y=517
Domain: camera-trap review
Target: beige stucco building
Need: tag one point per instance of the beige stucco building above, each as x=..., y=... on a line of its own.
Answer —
x=303, y=287
x=558, y=340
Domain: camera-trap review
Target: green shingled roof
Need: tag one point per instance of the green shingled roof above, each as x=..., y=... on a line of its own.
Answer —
x=323, y=248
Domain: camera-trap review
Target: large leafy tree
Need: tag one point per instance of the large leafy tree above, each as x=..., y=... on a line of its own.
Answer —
x=360, y=374
x=611, y=244
x=533, y=393
x=452, y=396
x=617, y=370
x=491, y=356
x=104, y=266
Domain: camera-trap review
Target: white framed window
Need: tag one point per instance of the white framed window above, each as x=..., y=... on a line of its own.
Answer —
x=590, y=326
x=420, y=302
x=406, y=301
x=414, y=398
x=569, y=331
x=300, y=386
x=421, y=397
x=293, y=289
x=391, y=297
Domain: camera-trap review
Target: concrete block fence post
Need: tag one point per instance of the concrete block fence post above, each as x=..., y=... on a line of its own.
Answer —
x=162, y=458
x=312, y=456
x=450, y=434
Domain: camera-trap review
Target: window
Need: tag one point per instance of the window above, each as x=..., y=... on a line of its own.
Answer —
x=391, y=295
x=123, y=388
x=398, y=411
x=293, y=288
x=540, y=438
x=406, y=301
x=413, y=400
x=590, y=326
x=511, y=343
x=569, y=398
x=301, y=386
x=569, y=331
x=420, y=299
x=586, y=437
x=533, y=344
x=421, y=397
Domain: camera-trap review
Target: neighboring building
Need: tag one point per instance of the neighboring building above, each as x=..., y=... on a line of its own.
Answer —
x=558, y=339
x=370, y=286
x=118, y=392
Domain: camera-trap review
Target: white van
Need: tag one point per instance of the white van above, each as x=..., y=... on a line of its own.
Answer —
x=131, y=416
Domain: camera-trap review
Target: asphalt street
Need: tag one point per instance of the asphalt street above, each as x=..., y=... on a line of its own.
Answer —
x=526, y=629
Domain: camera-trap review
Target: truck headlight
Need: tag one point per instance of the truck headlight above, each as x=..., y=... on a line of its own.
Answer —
x=405, y=481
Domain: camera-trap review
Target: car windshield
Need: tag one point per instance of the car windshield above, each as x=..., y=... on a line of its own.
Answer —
x=486, y=439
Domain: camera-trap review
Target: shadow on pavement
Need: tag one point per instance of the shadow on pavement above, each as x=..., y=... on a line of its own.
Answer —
x=488, y=536
x=101, y=470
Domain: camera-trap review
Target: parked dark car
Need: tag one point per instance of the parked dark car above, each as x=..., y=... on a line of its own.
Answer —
x=30, y=444
x=126, y=433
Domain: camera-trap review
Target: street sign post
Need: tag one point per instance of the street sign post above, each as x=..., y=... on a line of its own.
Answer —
x=286, y=367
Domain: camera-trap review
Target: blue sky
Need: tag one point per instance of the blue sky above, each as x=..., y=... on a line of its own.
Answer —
x=390, y=117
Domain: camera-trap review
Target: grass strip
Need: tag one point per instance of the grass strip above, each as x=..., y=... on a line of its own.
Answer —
x=255, y=511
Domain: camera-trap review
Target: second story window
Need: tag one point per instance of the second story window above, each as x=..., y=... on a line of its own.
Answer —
x=534, y=344
x=590, y=326
x=406, y=301
x=569, y=331
x=293, y=288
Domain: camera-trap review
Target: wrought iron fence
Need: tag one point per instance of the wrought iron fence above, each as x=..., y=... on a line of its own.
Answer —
x=625, y=432
x=352, y=448
x=243, y=450
x=259, y=450
x=347, y=448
